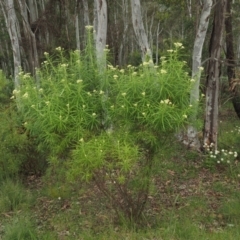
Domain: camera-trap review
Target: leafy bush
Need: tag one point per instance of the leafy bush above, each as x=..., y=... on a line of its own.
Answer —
x=106, y=125
x=21, y=228
x=18, y=153
x=12, y=196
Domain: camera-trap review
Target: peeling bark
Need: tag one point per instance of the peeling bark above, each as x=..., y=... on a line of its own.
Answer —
x=192, y=134
x=213, y=76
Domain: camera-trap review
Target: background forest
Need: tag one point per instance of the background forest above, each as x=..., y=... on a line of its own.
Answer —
x=120, y=119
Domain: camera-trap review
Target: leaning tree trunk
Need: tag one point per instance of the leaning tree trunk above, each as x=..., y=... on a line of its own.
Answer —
x=213, y=76
x=140, y=31
x=192, y=135
x=230, y=56
x=13, y=31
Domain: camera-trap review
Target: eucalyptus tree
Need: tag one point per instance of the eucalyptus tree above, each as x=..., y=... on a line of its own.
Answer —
x=139, y=30
x=8, y=10
x=101, y=29
x=192, y=133
x=213, y=76
x=29, y=14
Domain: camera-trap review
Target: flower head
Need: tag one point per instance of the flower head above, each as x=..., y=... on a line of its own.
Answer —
x=89, y=27
x=25, y=95
x=178, y=45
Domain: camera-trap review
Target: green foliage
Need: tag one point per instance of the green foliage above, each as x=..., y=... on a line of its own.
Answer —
x=13, y=196
x=13, y=139
x=18, y=153
x=21, y=228
x=221, y=158
x=105, y=125
x=231, y=209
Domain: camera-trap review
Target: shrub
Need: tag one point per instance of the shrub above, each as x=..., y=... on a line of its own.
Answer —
x=13, y=196
x=21, y=228
x=106, y=125
x=18, y=152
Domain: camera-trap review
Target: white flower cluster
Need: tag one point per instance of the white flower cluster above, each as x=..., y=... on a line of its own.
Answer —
x=178, y=45
x=89, y=27
x=221, y=156
x=166, y=101
x=163, y=71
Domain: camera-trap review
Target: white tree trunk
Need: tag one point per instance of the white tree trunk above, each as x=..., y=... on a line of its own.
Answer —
x=85, y=13
x=13, y=31
x=140, y=31
x=101, y=31
x=192, y=136
x=124, y=35
x=77, y=26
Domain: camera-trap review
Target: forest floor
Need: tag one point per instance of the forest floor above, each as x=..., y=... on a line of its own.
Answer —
x=190, y=198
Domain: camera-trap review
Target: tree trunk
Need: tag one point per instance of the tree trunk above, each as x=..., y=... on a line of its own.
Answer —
x=230, y=56
x=101, y=31
x=213, y=76
x=29, y=36
x=124, y=35
x=77, y=25
x=13, y=31
x=192, y=136
x=140, y=31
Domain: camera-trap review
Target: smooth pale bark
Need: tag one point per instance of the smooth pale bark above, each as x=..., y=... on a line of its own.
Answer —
x=189, y=6
x=33, y=10
x=100, y=21
x=157, y=44
x=213, y=76
x=32, y=51
x=13, y=31
x=101, y=31
x=77, y=25
x=85, y=13
x=139, y=30
x=125, y=15
x=192, y=134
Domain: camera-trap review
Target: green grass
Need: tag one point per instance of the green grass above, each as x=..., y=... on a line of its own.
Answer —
x=13, y=196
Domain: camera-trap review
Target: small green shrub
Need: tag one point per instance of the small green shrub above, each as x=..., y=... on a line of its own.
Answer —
x=106, y=126
x=20, y=228
x=13, y=196
x=18, y=150
x=220, y=158
x=230, y=209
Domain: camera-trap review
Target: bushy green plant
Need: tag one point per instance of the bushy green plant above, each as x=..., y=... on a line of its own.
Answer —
x=18, y=153
x=219, y=158
x=106, y=125
x=20, y=228
x=13, y=140
x=13, y=196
